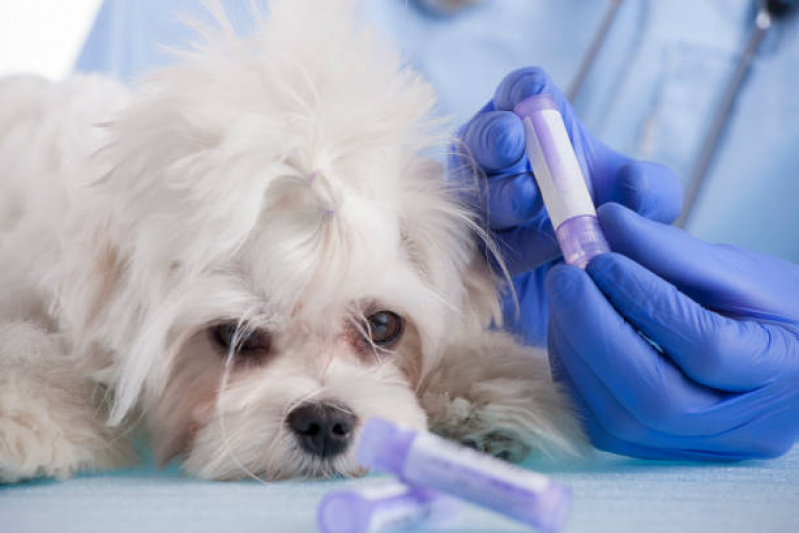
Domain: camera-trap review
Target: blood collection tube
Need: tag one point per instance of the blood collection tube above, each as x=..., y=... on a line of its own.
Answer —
x=561, y=181
x=384, y=507
x=424, y=459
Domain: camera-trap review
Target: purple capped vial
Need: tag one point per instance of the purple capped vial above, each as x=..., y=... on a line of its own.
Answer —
x=385, y=507
x=561, y=181
x=424, y=459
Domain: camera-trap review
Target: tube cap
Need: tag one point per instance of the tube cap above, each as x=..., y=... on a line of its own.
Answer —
x=383, y=446
x=581, y=239
x=538, y=102
x=342, y=513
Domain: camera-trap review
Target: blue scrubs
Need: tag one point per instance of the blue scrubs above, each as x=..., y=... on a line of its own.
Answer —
x=650, y=93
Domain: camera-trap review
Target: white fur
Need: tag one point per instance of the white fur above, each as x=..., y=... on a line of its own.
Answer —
x=280, y=181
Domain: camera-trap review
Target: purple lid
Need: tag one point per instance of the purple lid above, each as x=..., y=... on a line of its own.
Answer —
x=551, y=510
x=385, y=506
x=342, y=512
x=581, y=239
x=384, y=446
x=539, y=102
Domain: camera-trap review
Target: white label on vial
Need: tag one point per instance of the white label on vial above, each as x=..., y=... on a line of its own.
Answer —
x=388, y=489
x=397, y=515
x=558, y=176
x=471, y=475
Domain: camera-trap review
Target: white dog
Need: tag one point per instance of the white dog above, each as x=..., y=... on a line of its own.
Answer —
x=252, y=254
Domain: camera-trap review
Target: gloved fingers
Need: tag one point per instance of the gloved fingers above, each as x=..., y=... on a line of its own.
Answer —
x=598, y=408
x=596, y=432
x=749, y=441
x=589, y=395
x=724, y=278
x=694, y=266
x=526, y=82
x=600, y=164
x=530, y=81
x=612, y=427
x=525, y=248
x=650, y=189
x=512, y=201
x=709, y=348
x=604, y=440
x=496, y=140
x=648, y=386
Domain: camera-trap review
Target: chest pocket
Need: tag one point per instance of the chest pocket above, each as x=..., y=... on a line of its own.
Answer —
x=691, y=83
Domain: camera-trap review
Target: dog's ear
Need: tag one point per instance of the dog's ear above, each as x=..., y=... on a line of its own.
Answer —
x=442, y=236
x=186, y=403
x=103, y=304
x=481, y=305
x=86, y=281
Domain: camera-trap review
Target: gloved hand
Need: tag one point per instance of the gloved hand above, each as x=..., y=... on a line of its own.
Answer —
x=511, y=202
x=724, y=383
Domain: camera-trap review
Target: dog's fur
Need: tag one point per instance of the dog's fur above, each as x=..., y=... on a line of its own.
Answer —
x=281, y=182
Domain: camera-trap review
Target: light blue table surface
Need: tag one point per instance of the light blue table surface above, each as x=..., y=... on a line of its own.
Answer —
x=612, y=494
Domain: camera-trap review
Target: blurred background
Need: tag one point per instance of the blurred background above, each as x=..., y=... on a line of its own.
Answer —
x=43, y=36
x=651, y=92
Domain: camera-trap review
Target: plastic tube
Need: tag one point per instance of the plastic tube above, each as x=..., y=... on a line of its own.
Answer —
x=425, y=459
x=389, y=506
x=561, y=181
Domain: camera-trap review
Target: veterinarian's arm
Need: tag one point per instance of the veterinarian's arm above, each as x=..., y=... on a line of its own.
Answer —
x=513, y=206
x=725, y=384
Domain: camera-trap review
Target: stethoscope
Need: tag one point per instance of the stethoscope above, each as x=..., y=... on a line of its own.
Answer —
x=766, y=13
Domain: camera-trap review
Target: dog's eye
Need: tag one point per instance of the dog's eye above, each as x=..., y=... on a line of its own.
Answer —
x=250, y=344
x=385, y=328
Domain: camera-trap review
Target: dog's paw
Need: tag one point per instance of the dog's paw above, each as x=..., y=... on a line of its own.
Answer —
x=52, y=422
x=39, y=446
x=34, y=444
x=27, y=452
x=498, y=397
x=499, y=444
x=462, y=421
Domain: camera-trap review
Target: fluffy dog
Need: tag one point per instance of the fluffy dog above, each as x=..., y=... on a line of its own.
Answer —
x=252, y=252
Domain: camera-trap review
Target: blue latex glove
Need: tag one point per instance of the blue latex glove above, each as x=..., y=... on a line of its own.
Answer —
x=725, y=384
x=512, y=204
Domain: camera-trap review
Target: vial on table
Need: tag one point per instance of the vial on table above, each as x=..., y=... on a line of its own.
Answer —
x=561, y=181
x=424, y=459
x=386, y=507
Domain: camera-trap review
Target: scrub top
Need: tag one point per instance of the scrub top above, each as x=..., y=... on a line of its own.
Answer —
x=650, y=93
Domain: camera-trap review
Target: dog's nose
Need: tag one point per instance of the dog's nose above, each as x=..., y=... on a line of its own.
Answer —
x=322, y=429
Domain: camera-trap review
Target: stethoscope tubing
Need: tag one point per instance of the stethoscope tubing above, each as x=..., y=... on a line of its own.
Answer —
x=596, y=45
x=723, y=113
x=723, y=110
